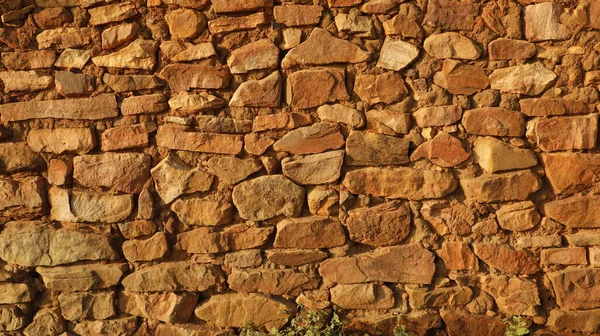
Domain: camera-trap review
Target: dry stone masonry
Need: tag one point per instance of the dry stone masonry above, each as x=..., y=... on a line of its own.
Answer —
x=184, y=167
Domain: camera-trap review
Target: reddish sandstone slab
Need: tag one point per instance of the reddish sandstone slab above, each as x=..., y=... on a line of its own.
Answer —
x=178, y=138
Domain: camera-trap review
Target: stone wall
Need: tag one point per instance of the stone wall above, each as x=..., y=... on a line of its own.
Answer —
x=182, y=167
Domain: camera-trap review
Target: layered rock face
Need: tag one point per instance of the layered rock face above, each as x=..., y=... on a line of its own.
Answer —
x=186, y=167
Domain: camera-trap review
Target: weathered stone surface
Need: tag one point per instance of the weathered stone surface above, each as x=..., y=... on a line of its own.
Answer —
x=182, y=77
x=385, y=88
x=127, y=172
x=461, y=78
x=402, y=182
x=228, y=6
x=298, y=15
x=12, y=318
x=437, y=115
x=508, y=49
x=190, y=329
x=312, y=139
x=494, y=121
x=77, y=306
x=366, y=148
x=388, y=122
x=137, y=228
x=460, y=322
x=396, y=54
x=224, y=25
x=190, y=52
x=354, y=23
x=564, y=133
x=112, y=13
x=153, y=248
x=581, y=175
x=268, y=196
x=495, y=155
x=231, y=170
x=280, y=121
x=33, y=244
x=382, y=225
x=213, y=124
x=513, y=295
x=76, y=278
x=196, y=211
x=202, y=240
x=63, y=38
x=541, y=107
x=174, y=137
x=362, y=296
x=321, y=49
x=69, y=84
x=165, y=307
x=420, y=298
x=400, y=25
x=15, y=293
x=73, y=59
x=173, y=276
x=322, y=201
x=404, y=263
x=173, y=178
x=579, y=321
x=451, y=45
x=315, y=168
x=47, y=321
x=311, y=88
x=575, y=211
x=121, y=326
x=16, y=81
x=258, y=55
x=519, y=216
x=185, y=23
x=564, y=256
x=245, y=258
x=124, y=137
x=84, y=206
x=275, y=282
x=18, y=156
x=527, y=79
x=295, y=257
x=342, y=114
x=189, y=103
x=542, y=22
x=22, y=198
x=264, y=92
x=458, y=257
x=443, y=150
x=451, y=15
x=506, y=259
x=575, y=288
x=119, y=35
x=96, y=108
x=514, y=186
x=28, y=60
x=309, y=233
x=236, y=309
x=139, y=54
x=123, y=83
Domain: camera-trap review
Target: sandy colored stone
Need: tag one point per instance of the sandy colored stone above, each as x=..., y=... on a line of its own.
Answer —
x=73, y=58
x=174, y=137
x=495, y=155
x=137, y=228
x=458, y=256
x=316, y=138
x=62, y=140
x=15, y=293
x=173, y=276
x=225, y=25
x=127, y=172
x=381, y=225
x=153, y=248
x=28, y=60
x=139, y=54
x=362, y=296
x=196, y=211
x=494, y=121
x=76, y=278
x=396, y=54
x=541, y=107
x=587, y=321
x=298, y=15
x=16, y=81
x=509, y=49
x=123, y=83
x=575, y=211
x=437, y=115
x=195, y=52
x=451, y=45
x=22, y=198
x=264, y=92
x=341, y=114
x=388, y=122
x=461, y=78
x=189, y=103
x=232, y=6
x=280, y=121
x=119, y=35
x=564, y=133
x=77, y=306
x=245, y=258
x=85, y=206
x=173, y=178
x=314, y=168
x=366, y=148
x=420, y=298
x=124, y=137
x=385, y=88
x=451, y=14
x=274, y=282
x=309, y=232
x=213, y=124
x=19, y=156
x=12, y=318
x=185, y=23
x=258, y=55
x=575, y=288
x=506, y=259
x=526, y=79
x=513, y=295
x=355, y=23
x=268, y=196
x=182, y=77
x=513, y=186
x=401, y=182
x=165, y=307
x=190, y=329
x=69, y=84
x=47, y=321
x=203, y=240
x=322, y=201
x=581, y=174
x=63, y=38
x=564, y=256
x=295, y=257
x=120, y=326
x=542, y=22
x=112, y=13
x=519, y=216
x=400, y=25
x=311, y=88
x=443, y=150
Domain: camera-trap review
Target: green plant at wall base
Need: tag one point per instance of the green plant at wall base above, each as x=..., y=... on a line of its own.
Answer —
x=307, y=322
x=400, y=330
x=516, y=326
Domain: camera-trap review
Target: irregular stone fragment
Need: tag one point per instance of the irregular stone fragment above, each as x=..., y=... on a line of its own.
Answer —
x=311, y=88
x=342, y=114
x=343, y=3
x=127, y=172
x=15, y=81
x=401, y=25
x=315, y=168
x=513, y=295
x=437, y=115
x=237, y=309
x=12, y=318
x=123, y=83
x=262, y=54
x=83, y=206
x=124, y=137
x=121, y=326
x=203, y=240
x=506, y=259
x=295, y=257
x=195, y=52
x=520, y=216
x=541, y=107
x=274, y=282
x=443, y=150
x=316, y=138
x=87, y=305
x=527, y=79
x=59, y=172
x=508, y=49
x=178, y=138
x=462, y=78
x=70, y=84
x=242, y=259
x=309, y=232
x=373, y=149
x=494, y=121
x=451, y=15
x=377, y=6
x=280, y=121
x=185, y=23
x=388, y=122
x=19, y=156
x=232, y=6
x=153, y=248
x=28, y=60
x=404, y=263
x=542, y=22
x=165, y=307
x=401, y=182
x=139, y=54
x=320, y=48
x=213, y=124
x=564, y=256
x=385, y=88
x=575, y=288
x=268, y=196
x=514, y=186
x=322, y=201
x=231, y=170
x=62, y=140
x=396, y=54
x=581, y=174
x=495, y=155
x=362, y=296
x=298, y=15
x=458, y=257
x=173, y=177
x=382, y=225
x=15, y=293
x=119, y=35
x=451, y=45
x=96, y=108
x=173, y=276
x=264, y=92
x=182, y=77
x=355, y=23
x=575, y=211
x=137, y=228
x=22, y=198
x=112, y=13
x=225, y=25
x=79, y=278
x=191, y=329
x=47, y=321
x=73, y=59
x=420, y=298
x=33, y=244
x=564, y=133
x=460, y=322
x=63, y=38
x=189, y=103
x=196, y=211
x=587, y=321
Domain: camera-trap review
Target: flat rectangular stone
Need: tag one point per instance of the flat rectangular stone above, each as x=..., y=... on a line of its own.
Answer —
x=225, y=25
x=96, y=108
x=22, y=198
x=152, y=103
x=27, y=60
x=174, y=137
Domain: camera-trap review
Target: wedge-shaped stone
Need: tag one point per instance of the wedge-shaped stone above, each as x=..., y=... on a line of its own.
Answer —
x=203, y=240
x=195, y=52
x=100, y=107
x=298, y=15
x=83, y=206
x=312, y=139
x=182, y=77
x=461, y=78
x=396, y=54
x=73, y=59
x=76, y=278
x=139, y=54
x=62, y=140
x=309, y=232
x=381, y=225
x=575, y=211
x=259, y=55
x=401, y=182
x=443, y=150
x=16, y=81
x=35, y=244
x=495, y=155
x=274, y=282
x=423, y=298
x=118, y=35
x=437, y=115
x=451, y=45
x=388, y=122
x=494, y=121
x=264, y=92
x=542, y=107
x=458, y=256
x=519, y=216
x=527, y=79
x=320, y=48
x=570, y=173
x=564, y=133
x=237, y=309
x=127, y=172
x=165, y=307
x=400, y=264
x=506, y=259
x=587, y=321
x=231, y=170
x=197, y=211
x=315, y=168
x=362, y=296
x=268, y=196
x=576, y=288
x=174, y=276
x=225, y=25
x=63, y=38
x=77, y=306
x=112, y=13
x=189, y=103
x=514, y=186
x=311, y=88
x=22, y=198
x=341, y=114
x=174, y=137
x=280, y=121
x=18, y=156
x=542, y=22
x=368, y=149
x=173, y=178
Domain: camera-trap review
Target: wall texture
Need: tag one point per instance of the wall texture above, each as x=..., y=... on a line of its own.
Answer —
x=181, y=167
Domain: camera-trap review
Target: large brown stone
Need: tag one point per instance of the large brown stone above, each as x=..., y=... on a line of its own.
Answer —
x=576, y=288
x=514, y=186
x=275, y=282
x=570, y=173
x=264, y=92
x=22, y=198
x=121, y=326
x=63, y=38
x=519, y=216
x=224, y=25
x=203, y=240
x=139, y=54
x=19, y=81
x=77, y=306
x=232, y=6
x=298, y=15
x=185, y=23
x=366, y=148
x=127, y=172
x=404, y=263
x=165, y=307
x=526, y=79
x=509, y=49
x=575, y=211
x=315, y=168
x=388, y=122
x=12, y=318
x=112, y=13
x=495, y=155
x=268, y=196
x=173, y=276
x=27, y=60
x=542, y=107
x=460, y=323
x=362, y=296
x=506, y=259
x=494, y=121
x=173, y=178
x=100, y=107
x=123, y=83
x=15, y=293
x=564, y=133
x=437, y=115
x=443, y=150
x=423, y=298
x=385, y=88
x=341, y=114
x=119, y=35
x=295, y=257
x=451, y=45
x=381, y=225
x=396, y=54
x=153, y=248
x=258, y=55
x=180, y=138
x=129, y=136
x=197, y=211
x=316, y=138
x=587, y=321
x=19, y=156
x=461, y=78
x=311, y=88
x=287, y=121
x=47, y=321
x=458, y=256
x=513, y=295
x=400, y=182
x=451, y=14
x=83, y=206
x=76, y=278
x=309, y=233
x=182, y=77
x=542, y=22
